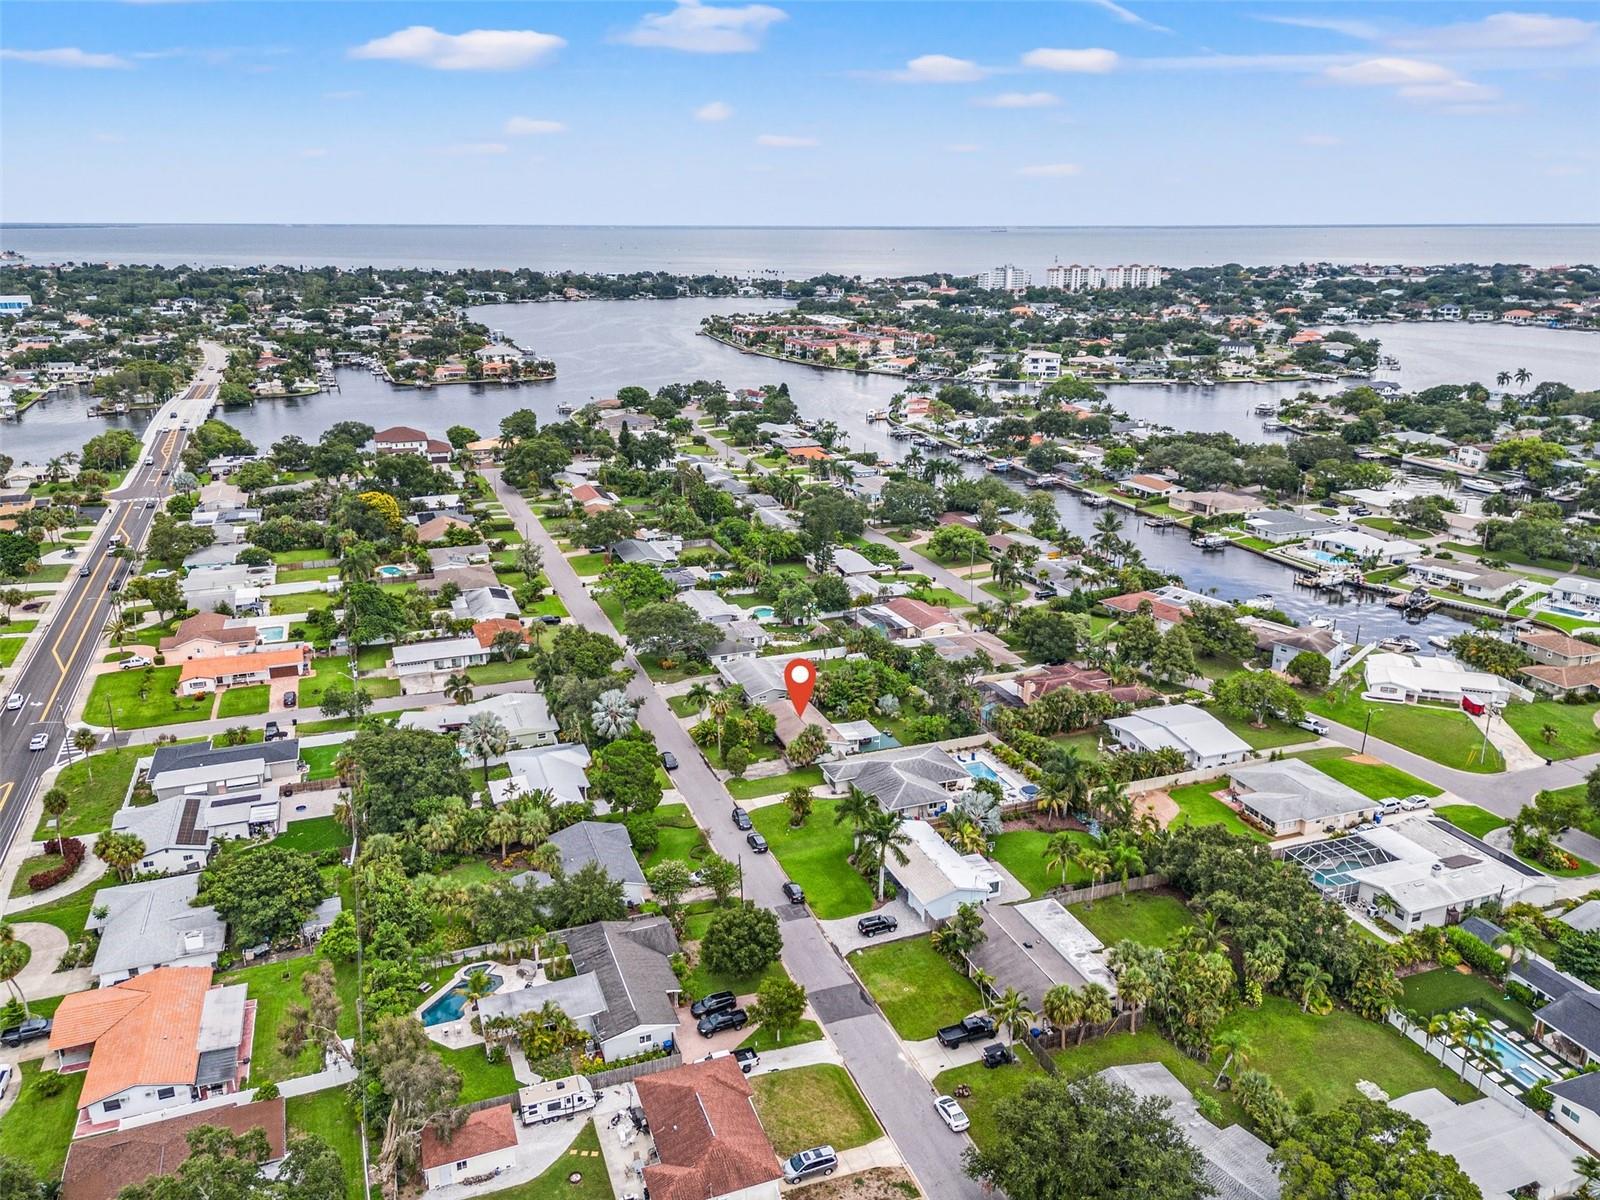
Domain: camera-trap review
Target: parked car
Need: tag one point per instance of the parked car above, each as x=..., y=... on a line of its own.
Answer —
x=794, y=893
x=13, y=701
x=714, y=1003
x=728, y=1018
x=38, y=741
x=969, y=1030
x=996, y=1055
x=5, y=1079
x=1312, y=725
x=272, y=732
x=875, y=923
x=808, y=1164
x=550, y=619
x=1044, y=593
x=741, y=819
x=669, y=760
x=163, y=573
x=30, y=1030
x=1389, y=805
x=290, y=699
x=756, y=842
x=1414, y=802
x=133, y=661
x=950, y=1113
x=747, y=1059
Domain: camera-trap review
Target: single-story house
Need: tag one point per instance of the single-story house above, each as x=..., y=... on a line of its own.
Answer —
x=848, y=562
x=1434, y=873
x=1574, y=591
x=1563, y=681
x=709, y=606
x=1576, y=1111
x=492, y=627
x=789, y=724
x=958, y=647
x=904, y=617
x=607, y=844
x=443, y=558
x=1365, y=547
x=1041, y=681
x=438, y=654
x=562, y=770
x=153, y=923
x=1471, y=580
x=485, y=603
x=465, y=578
x=1290, y=797
x=1406, y=679
x=709, y=1142
x=761, y=678
x=1570, y=1026
x=1164, y=613
x=1284, y=642
x=1279, y=527
x=1503, y=1151
x=655, y=554
x=935, y=879
x=438, y=526
x=1203, y=740
x=1212, y=504
x=915, y=781
x=481, y=1146
x=100, y=1167
x=247, y=669
x=525, y=715
x=1149, y=485
x=1585, y=918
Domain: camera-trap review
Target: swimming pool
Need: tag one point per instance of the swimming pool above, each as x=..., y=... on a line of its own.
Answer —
x=982, y=770
x=1325, y=556
x=272, y=633
x=1567, y=610
x=762, y=612
x=390, y=571
x=450, y=1005
x=1518, y=1063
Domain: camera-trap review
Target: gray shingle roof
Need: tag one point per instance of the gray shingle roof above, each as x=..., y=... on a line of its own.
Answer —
x=199, y=754
x=1576, y=1015
x=629, y=959
x=146, y=925
x=600, y=842
x=1581, y=1089
x=901, y=781
x=1545, y=980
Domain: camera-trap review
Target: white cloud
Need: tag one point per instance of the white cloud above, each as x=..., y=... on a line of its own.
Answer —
x=474, y=149
x=717, y=110
x=1088, y=62
x=706, y=29
x=1503, y=31
x=1050, y=170
x=68, y=56
x=1390, y=72
x=940, y=68
x=1126, y=17
x=532, y=126
x=1019, y=100
x=475, y=50
x=1363, y=30
x=963, y=148
x=784, y=141
x=1321, y=139
x=314, y=152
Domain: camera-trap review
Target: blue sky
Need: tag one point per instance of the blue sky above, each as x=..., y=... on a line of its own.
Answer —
x=1080, y=112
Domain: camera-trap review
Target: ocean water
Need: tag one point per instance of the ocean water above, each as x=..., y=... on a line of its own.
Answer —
x=789, y=252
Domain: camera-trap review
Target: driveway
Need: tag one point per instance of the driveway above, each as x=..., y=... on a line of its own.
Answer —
x=843, y=933
x=40, y=979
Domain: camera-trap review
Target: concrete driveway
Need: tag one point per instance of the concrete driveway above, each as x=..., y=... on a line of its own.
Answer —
x=843, y=933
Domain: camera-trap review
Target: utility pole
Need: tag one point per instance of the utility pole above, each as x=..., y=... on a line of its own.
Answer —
x=1364, y=728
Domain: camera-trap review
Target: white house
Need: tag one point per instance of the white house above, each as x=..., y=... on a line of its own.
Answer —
x=1406, y=679
x=1203, y=740
x=562, y=770
x=1432, y=874
x=1471, y=580
x=1576, y=592
x=485, y=1144
x=153, y=923
x=1364, y=547
x=438, y=655
x=1041, y=364
x=935, y=880
x=525, y=715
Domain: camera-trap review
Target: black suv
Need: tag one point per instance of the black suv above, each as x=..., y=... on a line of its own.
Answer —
x=30, y=1030
x=756, y=842
x=996, y=1055
x=794, y=893
x=741, y=819
x=728, y=1018
x=876, y=923
x=714, y=1003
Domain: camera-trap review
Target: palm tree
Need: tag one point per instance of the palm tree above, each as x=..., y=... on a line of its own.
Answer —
x=476, y=986
x=881, y=836
x=1061, y=852
x=1519, y=938
x=119, y=851
x=1096, y=1006
x=1312, y=982
x=84, y=741
x=1233, y=1045
x=1125, y=860
x=1094, y=863
x=118, y=629
x=1438, y=1027
x=56, y=803
x=857, y=808
x=1522, y=375
x=1503, y=379
x=1477, y=1035
x=503, y=828
x=437, y=834
x=613, y=714
x=14, y=956
x=485, y=736
x=1134, y=987
x=1588, y=1170
x=1011, y=1013
x=720, y=707
x=459, y=688
x=1062, y=1007
x=699, y=695
x=359, y=563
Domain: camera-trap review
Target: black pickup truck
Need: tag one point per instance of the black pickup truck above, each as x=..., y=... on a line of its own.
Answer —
x=970, y=1030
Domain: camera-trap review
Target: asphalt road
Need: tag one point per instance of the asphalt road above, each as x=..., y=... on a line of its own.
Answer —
x=53, y=668
x=899, y=1095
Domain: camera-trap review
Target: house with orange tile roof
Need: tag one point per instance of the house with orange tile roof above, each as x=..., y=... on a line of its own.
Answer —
x=1149, y=485
x=439, y=526
x=242, y=670
x=99, y=1167
x=487, y=631
x=482, y=1145
x=209, y=635
x=808, y=454
x=708, y=1138
x=1165, y=613
x=160, y=1040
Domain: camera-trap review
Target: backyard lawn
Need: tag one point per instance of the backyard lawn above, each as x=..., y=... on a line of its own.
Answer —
x=97, y=785
x=917, y=989
x=331, y=1117
x=313, y=835
x=1445, y=735
x=1324, y=1056
x=1150, y=917
x=813, y=1106
x=1275, y=736
x=1476, y=821
x=1444, y=990
x=38, y=1128
x=158, y=706
x=320, y=759
x=582, y=1158
x=275, y=987
x=1021, y=851
x=774, y=785
x=1373, y=779
x=1575, y=731
x=480, y=1078
x=814, y=857
x=244, y=701
x=1197, y=806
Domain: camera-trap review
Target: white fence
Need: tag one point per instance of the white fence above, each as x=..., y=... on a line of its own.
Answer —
x=1451, y=1060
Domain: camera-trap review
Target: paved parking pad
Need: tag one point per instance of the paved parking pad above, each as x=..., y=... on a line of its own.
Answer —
x=841, y=1003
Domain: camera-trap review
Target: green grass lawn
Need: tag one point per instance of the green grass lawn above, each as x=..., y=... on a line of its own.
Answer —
x=332, y=1117
x=1197, y=806
x=582, y=1157
x=679, y=837
x=702, y=981
x=814, y=857
x=1476, y=821
x=320, y=759
x=812, y=1106
x=1275, y=736
x=1445, y=735
x=32, y=866
x=70, y=913
x=775, y=785
x=1575, y=731
x=496, y=670
x=1374, y=780
x=157, y=707
x=275, y=987
x=37, y=1129
x=313, y=834
x=1325, y=1056
x=587, y=564
x=1021, y=851
x=1444, y=990
x=918, y=990
x=244, y=701
x=801, y=1032
x=97, y=785
x=332, y=672
x=480, y=1078
x=1150, y=917
x=1086, y=744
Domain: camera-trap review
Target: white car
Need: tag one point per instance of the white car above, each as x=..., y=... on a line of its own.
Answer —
x=1312, y=725
x=950, y=1112
x=1388, y=806
x=138, y=660
x=5, y=1079
x=13, y=701
x=1412, y=803
x=38, y=741
x=163, y=573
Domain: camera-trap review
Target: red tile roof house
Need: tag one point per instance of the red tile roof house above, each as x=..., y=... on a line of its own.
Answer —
x=99, y=1167
x=160, y=1040
x=487, y=631
x=208, y=635
x=481, y=1147
x=1165, y=613
x=1037, y=684
x=440, y=527
x=707, y=1135
x=904, y=617
x=594, y=499
x=1148, y=485
x=242, y=670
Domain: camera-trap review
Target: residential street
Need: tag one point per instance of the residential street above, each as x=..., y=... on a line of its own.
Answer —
x=900, y=1096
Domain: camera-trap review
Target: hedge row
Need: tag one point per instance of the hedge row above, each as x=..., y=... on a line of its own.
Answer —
x=71, y=851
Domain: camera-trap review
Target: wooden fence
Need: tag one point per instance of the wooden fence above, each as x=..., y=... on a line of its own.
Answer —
x=1100, y=891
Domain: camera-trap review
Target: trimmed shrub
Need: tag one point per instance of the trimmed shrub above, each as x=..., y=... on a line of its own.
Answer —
x=71, y=852
x=1476, y=953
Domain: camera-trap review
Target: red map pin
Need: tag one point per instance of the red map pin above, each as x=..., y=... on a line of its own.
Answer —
x=800, y=677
